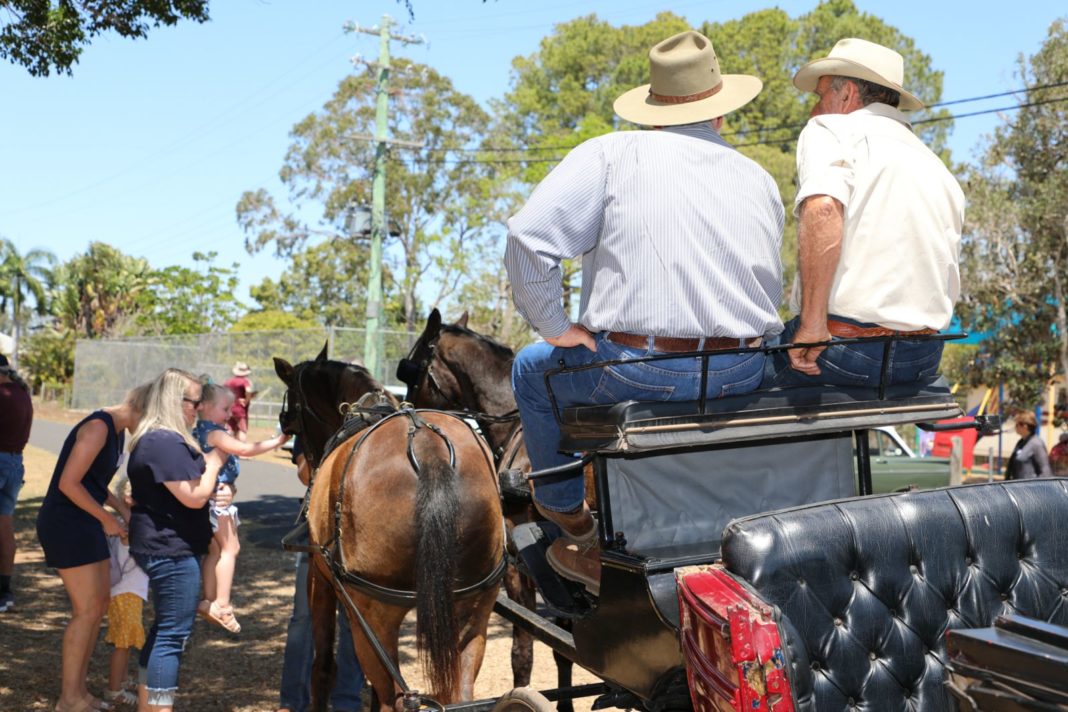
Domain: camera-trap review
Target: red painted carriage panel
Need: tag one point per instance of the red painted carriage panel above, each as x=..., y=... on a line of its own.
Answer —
x=733, y=653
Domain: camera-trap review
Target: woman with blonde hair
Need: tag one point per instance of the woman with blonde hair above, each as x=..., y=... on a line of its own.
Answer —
x=171, y=482
x=72, y=526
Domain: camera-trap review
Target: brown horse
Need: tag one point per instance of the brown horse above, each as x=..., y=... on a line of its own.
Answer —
x=404, y=513
x=452, y=367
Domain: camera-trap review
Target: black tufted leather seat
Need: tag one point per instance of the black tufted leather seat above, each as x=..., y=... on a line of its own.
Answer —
x=866, y=588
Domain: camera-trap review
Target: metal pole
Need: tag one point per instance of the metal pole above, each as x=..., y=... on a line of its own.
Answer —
x=373, y=330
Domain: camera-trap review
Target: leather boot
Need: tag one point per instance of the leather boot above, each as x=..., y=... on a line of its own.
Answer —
x=577, y=554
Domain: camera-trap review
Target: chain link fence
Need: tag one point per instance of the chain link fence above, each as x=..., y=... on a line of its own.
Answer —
x=105, y=369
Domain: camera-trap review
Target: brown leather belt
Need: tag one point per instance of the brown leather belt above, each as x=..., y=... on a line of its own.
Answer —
x=674, y=345
x=845, y=330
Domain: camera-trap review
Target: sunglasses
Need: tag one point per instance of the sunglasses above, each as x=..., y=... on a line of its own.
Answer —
x=195, y=403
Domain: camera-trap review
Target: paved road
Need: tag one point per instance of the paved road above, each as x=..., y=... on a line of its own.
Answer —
x=268, y=493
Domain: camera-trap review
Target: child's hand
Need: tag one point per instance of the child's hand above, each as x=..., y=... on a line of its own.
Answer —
x=224, y=495
x=113, y=527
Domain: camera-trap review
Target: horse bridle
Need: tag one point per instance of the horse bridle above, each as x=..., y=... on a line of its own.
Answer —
x=410, y=372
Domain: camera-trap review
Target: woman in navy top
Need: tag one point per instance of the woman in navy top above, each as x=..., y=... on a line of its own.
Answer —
x=71, y=526
x=171, y=482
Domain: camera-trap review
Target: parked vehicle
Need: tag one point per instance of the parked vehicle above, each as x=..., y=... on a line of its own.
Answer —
x=896, y=468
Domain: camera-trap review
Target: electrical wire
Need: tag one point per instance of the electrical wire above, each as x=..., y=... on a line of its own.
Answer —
x=767, y=142
x=783, y=127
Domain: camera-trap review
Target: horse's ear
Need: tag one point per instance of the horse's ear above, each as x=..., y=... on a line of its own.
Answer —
x=284, y=370
x=433, y=322
x=462, y=321
x=323, y=355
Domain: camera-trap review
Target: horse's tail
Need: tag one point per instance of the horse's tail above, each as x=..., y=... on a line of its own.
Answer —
x=437, y=519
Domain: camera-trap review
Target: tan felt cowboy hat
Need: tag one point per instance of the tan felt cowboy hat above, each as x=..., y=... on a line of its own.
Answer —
x=860, y=59
x=241, y=369
x=685, y=85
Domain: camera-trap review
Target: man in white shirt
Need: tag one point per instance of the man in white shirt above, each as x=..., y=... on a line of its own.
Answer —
x=880, y=221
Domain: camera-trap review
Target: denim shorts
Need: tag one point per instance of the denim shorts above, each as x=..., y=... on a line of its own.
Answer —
x=11, y=475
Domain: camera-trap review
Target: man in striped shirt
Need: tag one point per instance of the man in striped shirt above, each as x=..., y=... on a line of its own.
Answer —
x=679, y=236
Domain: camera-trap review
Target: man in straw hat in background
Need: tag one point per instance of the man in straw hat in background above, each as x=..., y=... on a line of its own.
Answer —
x=679, y=236
x=880, y=220
x=241, y=387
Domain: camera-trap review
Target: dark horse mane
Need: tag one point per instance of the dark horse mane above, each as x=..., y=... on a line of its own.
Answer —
x=497, y=347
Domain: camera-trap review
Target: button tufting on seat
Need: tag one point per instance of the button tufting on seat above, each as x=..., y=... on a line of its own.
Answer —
x=838, y=621
x=872, y=655
x=967, y=561
x=1004, y=597
x=816, y=665
x=914, y=569
x=854, y=576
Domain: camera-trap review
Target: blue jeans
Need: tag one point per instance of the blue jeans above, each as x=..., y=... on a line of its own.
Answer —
x=297, y=659
x=667, y=380
x=857, y=364
x=11, y=476
x=175, y=586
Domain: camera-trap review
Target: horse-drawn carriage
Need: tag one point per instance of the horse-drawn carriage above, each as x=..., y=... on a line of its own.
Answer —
x=743, y=564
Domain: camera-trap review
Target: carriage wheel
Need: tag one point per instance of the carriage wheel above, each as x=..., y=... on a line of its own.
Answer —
x=524, y=699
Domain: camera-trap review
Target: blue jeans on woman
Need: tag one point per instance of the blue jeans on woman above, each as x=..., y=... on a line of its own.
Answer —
x=857, y=364
x=677, y=379
x=175, y=587
x=297, y=660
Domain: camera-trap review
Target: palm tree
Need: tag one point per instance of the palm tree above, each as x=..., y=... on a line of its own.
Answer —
x=20, y=276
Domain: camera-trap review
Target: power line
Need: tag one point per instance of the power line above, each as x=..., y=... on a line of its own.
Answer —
x=783, y=127
x=768, y=142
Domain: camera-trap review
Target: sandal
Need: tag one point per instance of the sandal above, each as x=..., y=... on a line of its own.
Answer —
x=120, y=697
x=204, y=610
x=95, y=703
x=223, y=617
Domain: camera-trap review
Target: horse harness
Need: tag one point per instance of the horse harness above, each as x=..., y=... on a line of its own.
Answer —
x=332, y=552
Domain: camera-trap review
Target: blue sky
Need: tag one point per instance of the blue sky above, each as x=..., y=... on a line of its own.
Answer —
x=149, y=145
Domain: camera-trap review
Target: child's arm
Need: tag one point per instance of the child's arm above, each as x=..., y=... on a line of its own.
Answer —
x=232, y=446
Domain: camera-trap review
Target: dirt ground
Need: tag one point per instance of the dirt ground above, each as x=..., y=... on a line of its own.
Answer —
x=219, y=672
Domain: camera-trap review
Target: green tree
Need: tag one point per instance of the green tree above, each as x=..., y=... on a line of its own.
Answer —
x=325, y=283
x=428, y=196
x=49, y=35
x=271, y=320
x=23, y=276
x=190, y=300
x=48, y=357
x=1015, y=252
x=101, y=292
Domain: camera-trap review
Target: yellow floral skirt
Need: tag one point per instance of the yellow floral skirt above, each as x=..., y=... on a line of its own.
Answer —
x=125, y=627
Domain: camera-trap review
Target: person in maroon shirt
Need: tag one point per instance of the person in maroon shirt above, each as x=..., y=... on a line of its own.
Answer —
x=243, y=394
x=16, y=415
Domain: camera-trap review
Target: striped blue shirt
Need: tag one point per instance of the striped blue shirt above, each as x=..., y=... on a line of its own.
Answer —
x=679, y=236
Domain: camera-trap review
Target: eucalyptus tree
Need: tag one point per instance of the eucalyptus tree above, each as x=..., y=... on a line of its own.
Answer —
x=1015, y=275
x=435, y=220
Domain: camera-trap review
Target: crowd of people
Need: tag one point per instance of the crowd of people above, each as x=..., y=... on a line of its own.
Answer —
x=169, y=530
x=680, y=237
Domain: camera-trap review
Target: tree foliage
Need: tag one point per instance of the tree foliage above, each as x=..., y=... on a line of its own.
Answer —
x=432, y=200
x=1015, y=255
x=100, y=292
x=190, y=300
x=271, y=320
x=49, y=35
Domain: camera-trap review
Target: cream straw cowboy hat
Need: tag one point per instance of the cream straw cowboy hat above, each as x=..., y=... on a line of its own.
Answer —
x=685, y=85
x=860, y=59
x=240, y=369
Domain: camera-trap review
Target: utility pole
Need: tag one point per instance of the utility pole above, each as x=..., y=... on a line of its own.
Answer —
x=372, y=347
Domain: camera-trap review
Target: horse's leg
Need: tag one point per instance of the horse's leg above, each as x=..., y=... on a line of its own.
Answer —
x=521, y=590
x=475, y=613
x=322, y=602
x=385, y=621
x=564, y=666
